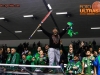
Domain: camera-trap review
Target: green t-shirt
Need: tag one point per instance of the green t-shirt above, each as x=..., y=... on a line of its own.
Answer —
x=37, y=55
x=88, y=65
x=34, y=62
x=41, y=61
x=29, y=57
x=72, y=64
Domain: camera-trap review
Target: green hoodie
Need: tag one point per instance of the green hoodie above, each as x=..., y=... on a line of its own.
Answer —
x=29, y=57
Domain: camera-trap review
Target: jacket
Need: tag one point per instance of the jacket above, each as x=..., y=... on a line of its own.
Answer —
x=97, y=64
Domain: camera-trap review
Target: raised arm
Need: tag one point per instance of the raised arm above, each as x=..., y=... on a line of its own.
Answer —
x=62, y=47
x=64, y=31
x=64, y=51
x=44, y=31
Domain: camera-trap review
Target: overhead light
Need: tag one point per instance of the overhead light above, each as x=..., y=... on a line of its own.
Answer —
x=95, y=28
x=28, y=16
x=0, y=32
x=18, y=31
x=61, y=13
x=49, y=6
x=2, y=18
x=39, y=30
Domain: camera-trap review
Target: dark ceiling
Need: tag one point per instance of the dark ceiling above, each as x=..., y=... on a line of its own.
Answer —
x=82, y=24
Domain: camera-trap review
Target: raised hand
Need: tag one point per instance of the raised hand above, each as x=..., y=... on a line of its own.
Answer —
x=75, y=67
x=61, y=42
x=92, y=58
x=70, y=72
x=39, y=25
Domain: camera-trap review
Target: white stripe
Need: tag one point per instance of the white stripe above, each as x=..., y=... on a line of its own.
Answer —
x=95, y=27
x=60, y=13
x=30, y=65
x=2, y=18
x=27, y=15
x=49, y=6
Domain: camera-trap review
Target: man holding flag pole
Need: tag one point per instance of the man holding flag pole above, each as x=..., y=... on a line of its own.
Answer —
x=54, y=44
x=54, y=40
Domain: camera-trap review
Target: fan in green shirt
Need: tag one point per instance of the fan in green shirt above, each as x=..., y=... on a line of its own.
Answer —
x=33, y=62
x=38, y=53
x=13, y=58
x=74, y=66
x=23, y=61
x=87, y=64
x=70, y=54
x=41, y=60
x=29, y=56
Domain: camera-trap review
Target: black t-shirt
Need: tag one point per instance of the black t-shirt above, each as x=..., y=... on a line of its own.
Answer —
x=45, y=51
x=26, y=62
x=62, y=58
x=51, y=42
x=82, y=51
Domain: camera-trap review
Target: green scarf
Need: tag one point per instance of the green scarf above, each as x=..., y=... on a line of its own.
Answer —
x=24, y=61
x=13, y=59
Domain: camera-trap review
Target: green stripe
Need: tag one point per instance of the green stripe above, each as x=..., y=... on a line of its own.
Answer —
x=99, y=59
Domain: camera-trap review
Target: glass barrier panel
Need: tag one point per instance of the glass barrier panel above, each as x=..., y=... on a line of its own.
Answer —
x=17, y=69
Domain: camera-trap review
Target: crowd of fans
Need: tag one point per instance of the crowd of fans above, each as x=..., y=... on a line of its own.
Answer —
x=79, y=57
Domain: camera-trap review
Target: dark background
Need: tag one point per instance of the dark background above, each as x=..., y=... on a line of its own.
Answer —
x=82, y=24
